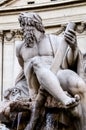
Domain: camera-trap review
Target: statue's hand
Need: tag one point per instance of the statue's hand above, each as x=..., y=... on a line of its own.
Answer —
x=70, y=37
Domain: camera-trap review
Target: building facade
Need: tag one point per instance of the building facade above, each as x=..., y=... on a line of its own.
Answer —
x=55, y=14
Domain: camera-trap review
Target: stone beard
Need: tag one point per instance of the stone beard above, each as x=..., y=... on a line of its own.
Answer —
x=29, y=38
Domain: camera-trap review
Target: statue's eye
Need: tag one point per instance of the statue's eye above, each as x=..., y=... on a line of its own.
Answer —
x=16, y=90
x=13, y=93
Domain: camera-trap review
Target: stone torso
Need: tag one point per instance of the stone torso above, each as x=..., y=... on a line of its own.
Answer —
x=42, y=49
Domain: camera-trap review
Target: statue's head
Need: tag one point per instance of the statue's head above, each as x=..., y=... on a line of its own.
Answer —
x=31, y=24
x=31, y=19
x=20, y=90
x=12, y=94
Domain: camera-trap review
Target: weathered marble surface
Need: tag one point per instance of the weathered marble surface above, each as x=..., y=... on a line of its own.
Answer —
x=39, y=91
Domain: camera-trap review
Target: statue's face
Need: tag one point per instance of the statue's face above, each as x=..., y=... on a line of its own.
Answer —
x=20, y=90
x=29, y=36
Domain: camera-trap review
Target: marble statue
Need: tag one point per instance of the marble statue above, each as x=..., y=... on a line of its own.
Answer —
x=50, y=67
x=39, y=50
x=36, y=46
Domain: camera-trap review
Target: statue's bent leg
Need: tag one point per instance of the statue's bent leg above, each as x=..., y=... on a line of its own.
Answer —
x=71, y=82
x=50, y=83
x=32, y=83
x=75, y=85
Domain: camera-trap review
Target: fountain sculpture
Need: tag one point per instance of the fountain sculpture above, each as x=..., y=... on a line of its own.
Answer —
x=49, y=92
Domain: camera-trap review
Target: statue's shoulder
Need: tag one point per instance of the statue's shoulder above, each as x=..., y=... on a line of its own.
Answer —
x=18, y=47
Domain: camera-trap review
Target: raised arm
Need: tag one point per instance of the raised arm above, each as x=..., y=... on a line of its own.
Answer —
x=72, y=52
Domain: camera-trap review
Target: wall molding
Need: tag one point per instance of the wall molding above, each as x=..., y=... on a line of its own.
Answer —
x=42, y=6
x=3, y=2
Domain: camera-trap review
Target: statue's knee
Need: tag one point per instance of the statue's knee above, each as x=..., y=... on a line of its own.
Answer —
x=35, y=60
x=36, y=63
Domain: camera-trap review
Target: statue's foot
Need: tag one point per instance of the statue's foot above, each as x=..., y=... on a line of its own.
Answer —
x=72, y=102
x=77, y=97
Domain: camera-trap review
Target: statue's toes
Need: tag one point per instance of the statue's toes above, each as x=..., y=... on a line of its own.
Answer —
x=77, y=97
x=73, y=102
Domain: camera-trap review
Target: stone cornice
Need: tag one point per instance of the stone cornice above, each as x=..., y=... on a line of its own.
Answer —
x=3, y=2
x=42, y=6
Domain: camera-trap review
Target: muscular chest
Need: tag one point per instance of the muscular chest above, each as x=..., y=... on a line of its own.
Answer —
x=29, y=52
x=45, y=48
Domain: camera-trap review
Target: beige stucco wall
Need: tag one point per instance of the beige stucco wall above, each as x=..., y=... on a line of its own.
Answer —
x=54, y=15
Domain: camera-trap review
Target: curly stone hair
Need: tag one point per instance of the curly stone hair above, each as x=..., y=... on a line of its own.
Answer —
x=31, y=19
